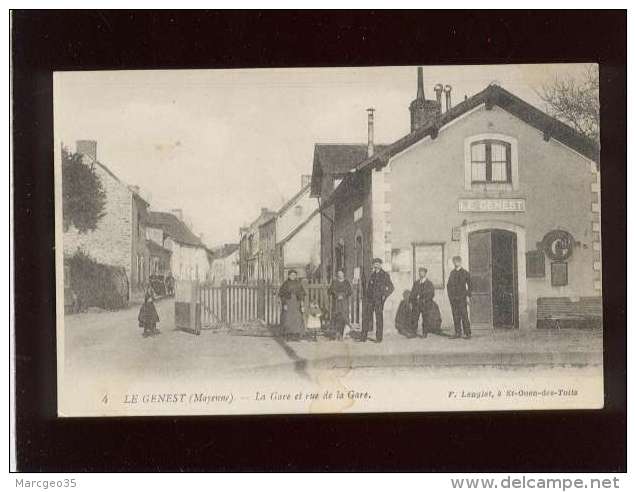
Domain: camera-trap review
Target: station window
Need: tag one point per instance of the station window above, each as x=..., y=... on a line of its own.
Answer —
x=490, y=162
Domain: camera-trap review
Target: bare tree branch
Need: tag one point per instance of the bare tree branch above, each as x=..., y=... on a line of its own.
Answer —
x=575, y=102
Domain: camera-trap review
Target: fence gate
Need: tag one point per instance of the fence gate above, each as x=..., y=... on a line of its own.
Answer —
x=231, y=303
x=187, y=309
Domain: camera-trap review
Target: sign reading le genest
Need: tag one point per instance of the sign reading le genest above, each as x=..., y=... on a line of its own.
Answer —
x=492, y=205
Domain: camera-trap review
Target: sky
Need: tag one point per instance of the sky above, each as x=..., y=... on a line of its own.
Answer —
x=221, y=144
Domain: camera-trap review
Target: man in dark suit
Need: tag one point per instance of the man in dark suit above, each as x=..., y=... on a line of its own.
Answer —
x=458, y=288
x=422, y=294
x=378, y=288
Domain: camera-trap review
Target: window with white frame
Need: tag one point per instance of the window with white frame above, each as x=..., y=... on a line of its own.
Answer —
x=490, y=162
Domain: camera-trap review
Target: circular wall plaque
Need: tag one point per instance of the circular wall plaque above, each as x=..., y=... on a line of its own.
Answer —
x=558, y=245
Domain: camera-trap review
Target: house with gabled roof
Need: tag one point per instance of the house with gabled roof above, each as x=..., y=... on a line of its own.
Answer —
x=290, y=238
x=189, y=257
x=224, y=263
x=332, y=163
x=495, y=180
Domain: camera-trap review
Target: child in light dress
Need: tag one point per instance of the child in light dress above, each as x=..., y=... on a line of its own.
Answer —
x=314, y=320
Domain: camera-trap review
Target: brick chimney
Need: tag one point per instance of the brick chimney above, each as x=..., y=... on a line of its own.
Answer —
x=87, y=148
x=305, y=179
x=178, y=213
x=264, y=210
x=422, y=110
x=370, y=144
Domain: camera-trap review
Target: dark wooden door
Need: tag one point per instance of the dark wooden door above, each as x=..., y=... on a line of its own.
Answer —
x=504, y=279
x=480, y=267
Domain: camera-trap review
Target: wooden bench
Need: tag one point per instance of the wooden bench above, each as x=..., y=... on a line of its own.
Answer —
x=566, y=312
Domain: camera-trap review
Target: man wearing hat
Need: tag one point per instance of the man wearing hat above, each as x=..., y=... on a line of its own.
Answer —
x=459, y=291
x=378, y=288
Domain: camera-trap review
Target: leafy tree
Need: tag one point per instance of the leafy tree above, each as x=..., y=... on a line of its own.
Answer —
x=83, y=196
x=575, y=102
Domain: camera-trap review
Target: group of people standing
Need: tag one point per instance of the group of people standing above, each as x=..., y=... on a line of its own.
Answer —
x=418, y=304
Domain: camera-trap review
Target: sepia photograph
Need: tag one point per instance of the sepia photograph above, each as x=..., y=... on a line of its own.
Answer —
x=328, y=240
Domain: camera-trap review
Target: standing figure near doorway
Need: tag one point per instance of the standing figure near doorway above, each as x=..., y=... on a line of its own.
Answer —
x=422, y=295
x=459, y=291
x=378, y=288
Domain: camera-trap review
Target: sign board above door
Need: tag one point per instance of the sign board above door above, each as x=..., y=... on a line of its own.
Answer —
x=492, y=205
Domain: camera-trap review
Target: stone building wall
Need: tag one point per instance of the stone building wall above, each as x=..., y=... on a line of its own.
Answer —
x=111, y=242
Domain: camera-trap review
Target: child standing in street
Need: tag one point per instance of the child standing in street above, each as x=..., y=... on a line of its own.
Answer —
x=313, y=322
x=148, y=317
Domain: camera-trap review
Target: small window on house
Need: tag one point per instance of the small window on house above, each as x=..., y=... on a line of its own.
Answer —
x=535, y=264
x=340, y=257
x=359, y=252
x=490, y=162
x=559, y=273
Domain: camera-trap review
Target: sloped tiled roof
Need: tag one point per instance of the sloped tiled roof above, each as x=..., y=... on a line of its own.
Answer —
x=337, y=159
x=174, y=228
x=493, y=95
x=154, y=247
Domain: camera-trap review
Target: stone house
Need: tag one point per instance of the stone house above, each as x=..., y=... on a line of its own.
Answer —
x=120, y=237
x=494, y=180
x=189, y=258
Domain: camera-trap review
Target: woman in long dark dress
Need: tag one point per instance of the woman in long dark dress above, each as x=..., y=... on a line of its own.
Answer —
x=340, y=291
x=148, y=317
x=292, y=295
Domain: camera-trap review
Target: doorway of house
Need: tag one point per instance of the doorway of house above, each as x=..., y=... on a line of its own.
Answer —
x=492, y=258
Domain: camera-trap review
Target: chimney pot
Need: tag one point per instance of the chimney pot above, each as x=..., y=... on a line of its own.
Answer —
x=439, y=88
x=305, y=179
x=370, y=144
x=87, y=148
x=447, y=91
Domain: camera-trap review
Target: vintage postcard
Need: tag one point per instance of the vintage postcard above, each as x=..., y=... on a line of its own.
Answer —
x=326, y=240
